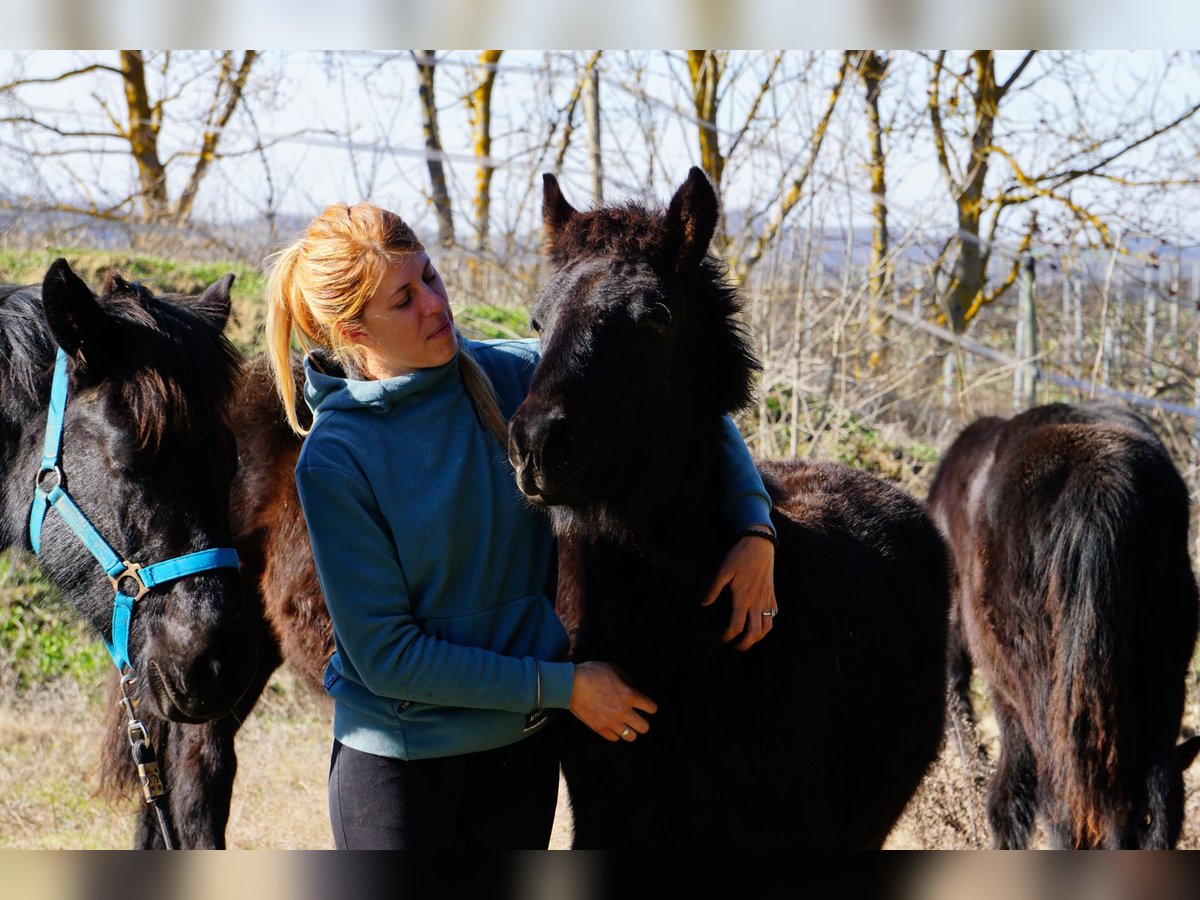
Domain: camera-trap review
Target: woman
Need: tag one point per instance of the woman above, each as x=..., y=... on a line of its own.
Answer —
x=434, y=569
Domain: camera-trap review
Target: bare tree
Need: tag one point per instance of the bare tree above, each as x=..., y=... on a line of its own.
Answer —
x=480, y=115
x=966, y=178
x=591, y=112
x=1108, y=143
x=150, y=85
x=426, y=68
x=794, y=185
x=872, y=68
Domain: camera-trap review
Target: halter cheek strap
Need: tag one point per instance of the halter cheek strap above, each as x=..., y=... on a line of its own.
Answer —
x=130, y=580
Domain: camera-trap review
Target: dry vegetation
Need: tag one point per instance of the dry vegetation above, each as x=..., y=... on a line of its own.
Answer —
x=49, y=755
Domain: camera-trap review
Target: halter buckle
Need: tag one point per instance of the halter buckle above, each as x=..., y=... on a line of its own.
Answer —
x=40, y=483
x=129, y=582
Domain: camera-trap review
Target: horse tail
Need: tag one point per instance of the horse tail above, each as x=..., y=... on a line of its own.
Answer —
x=1090, y=586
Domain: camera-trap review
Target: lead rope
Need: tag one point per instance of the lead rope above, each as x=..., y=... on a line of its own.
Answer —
x=146, y=761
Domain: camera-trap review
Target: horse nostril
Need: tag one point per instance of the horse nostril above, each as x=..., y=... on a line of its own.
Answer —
x=548, y=436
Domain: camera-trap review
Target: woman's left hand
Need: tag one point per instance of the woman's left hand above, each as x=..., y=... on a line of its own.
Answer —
x=749, y=571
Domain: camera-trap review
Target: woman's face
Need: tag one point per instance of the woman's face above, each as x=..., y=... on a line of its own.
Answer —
x=407, y=323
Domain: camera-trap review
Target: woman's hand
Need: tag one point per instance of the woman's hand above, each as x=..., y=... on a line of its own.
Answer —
x=605, y=702
x=749, y=570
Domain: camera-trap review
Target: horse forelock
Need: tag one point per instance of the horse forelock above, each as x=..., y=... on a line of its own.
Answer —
x=628, y=229
x=173, y=369
x=724, y=355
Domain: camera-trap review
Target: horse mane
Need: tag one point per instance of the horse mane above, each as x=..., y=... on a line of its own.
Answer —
x=723, y=359
x=25, y=343
x=173, y=369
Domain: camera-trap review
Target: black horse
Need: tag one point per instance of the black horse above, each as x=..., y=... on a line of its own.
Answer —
x=148, y=455
x=1074, y=594
x=818, y=736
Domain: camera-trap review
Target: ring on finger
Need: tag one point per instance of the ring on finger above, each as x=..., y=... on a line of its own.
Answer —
x=626, y=731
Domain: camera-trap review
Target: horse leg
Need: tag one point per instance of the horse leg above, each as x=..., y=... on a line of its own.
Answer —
x=961, y=716
x=198, y=764
x=959, y=667
x=1012, y=799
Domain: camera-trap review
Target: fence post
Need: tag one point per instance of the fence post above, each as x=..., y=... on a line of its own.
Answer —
x=1025, y=377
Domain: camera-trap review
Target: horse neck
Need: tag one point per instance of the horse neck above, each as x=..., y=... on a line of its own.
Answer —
x=666, y=509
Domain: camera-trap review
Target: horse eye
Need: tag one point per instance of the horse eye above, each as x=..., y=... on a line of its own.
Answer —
x=657, y=318
x=535, y=324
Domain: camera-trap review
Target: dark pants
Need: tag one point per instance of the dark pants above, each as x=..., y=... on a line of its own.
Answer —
x=501, y=799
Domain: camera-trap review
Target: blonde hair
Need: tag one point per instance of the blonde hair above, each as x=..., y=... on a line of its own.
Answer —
x=318, y=287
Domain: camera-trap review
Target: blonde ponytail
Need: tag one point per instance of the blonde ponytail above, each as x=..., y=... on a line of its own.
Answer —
x=284, y=296
x=482, y=393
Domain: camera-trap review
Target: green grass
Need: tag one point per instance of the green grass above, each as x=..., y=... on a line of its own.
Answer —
x=161, y=275
x=40, y=641
x=487, y=322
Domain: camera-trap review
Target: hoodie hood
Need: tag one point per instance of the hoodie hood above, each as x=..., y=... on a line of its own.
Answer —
x=327, y=386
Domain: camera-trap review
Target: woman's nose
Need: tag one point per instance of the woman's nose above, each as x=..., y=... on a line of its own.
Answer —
x=432, y=303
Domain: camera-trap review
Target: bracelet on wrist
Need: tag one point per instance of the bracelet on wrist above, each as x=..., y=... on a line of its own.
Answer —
x=763, y=533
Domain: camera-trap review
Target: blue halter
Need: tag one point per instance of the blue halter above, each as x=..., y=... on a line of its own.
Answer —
x=130, y=580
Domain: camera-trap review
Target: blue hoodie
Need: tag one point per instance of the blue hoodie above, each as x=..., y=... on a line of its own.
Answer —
x=433, y=565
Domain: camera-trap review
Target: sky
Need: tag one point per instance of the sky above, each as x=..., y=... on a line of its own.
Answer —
x=383, y=159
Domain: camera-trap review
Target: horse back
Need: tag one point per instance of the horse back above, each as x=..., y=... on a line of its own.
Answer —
x=862, y=575
x=1079, y=602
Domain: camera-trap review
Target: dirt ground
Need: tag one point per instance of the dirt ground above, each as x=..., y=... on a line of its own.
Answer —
x=49, y=758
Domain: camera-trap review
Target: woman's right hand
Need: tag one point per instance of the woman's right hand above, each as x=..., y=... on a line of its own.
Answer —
x=606, y=703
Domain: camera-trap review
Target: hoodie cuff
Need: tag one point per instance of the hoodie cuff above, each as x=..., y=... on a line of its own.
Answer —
x=558, y=682
x=750, y=510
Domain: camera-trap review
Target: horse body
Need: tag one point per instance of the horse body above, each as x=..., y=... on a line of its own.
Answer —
x=147, y=453
x=1075, y=596
x=618, y=437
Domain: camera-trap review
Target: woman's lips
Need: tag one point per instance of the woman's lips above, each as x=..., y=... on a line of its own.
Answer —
x=440, y=331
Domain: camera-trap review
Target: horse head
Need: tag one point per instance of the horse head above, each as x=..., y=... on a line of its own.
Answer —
x=635, y=304
x=147, y=455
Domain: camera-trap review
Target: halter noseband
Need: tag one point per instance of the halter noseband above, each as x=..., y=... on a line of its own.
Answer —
x=130, y=580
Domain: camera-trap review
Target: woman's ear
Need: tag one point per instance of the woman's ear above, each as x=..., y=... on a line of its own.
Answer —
x=356, y=334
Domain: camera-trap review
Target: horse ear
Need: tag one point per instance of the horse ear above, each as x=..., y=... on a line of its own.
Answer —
x=214, y=304
x=691, y=221
x=556, y=211
x=79, y=325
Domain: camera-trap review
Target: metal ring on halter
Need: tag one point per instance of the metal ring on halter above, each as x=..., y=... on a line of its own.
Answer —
x=42, y=473
x=626, y=731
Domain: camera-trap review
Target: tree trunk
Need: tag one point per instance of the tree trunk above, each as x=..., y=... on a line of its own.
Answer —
x=142, y=135
x=705, y=68
x=481, y=127
x=872, y=67
x=426, y=67
x=591, y=112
